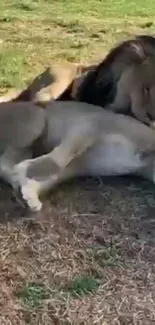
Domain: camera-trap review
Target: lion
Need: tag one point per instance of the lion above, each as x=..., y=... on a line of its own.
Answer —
x=124, y=81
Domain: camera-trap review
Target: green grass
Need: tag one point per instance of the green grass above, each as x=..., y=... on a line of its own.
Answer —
x=107, y=256
x=31, y=295
x=34, y=34
x=82, y=285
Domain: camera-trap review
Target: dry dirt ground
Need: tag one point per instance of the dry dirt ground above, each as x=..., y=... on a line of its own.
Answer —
x=88, y=258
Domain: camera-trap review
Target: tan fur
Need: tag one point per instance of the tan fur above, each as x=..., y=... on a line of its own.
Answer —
x=41, y=148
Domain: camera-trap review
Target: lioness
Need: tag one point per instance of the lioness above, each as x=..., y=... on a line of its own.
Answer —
x=41, y=148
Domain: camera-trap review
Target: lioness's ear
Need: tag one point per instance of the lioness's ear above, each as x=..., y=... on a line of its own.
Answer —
x=85, y=68
x=75, y=85
x=76, y=82
x=82, y=72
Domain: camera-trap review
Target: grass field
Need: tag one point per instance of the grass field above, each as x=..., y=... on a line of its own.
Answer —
x=89, y=257
x=33, y=34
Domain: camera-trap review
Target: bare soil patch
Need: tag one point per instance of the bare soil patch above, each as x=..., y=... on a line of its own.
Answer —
x=87, y=258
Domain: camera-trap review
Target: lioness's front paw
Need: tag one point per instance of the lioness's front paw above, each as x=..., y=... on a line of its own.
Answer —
x=30, y=195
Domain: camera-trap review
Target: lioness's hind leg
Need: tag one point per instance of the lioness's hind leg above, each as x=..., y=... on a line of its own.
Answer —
x=39, y=174
x=35, y=176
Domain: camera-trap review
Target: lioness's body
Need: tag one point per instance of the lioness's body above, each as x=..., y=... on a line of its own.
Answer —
x=120, y=139
x=72, y=139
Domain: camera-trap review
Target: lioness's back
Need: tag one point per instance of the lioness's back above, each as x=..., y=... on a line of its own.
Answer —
x=20, y=123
